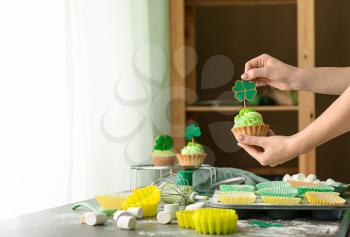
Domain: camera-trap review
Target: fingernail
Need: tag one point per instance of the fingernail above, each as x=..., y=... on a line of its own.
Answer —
x=241, y=138
x=244, y=76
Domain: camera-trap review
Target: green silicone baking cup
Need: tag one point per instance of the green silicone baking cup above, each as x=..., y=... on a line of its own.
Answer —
x=236, y=187
x=272, y=184
x=278, y=192
x=320, y=188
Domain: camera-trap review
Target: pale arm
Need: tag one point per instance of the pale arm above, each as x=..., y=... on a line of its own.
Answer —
x=266, y=70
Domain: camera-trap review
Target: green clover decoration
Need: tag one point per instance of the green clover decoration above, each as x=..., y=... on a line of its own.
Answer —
x=163, y=142
x=244, y=90
x=192, y=131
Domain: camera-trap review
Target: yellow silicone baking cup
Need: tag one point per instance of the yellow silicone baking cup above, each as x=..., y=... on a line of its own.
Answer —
x=147, y=198
x=324, y=198
x=237, y=197
x=280, y=200
x=112, y=201
x=184, y=219
x=214, y=221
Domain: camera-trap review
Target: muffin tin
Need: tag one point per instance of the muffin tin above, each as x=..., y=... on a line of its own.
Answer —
x=283, y=211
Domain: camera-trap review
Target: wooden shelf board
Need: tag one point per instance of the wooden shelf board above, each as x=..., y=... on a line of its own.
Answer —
x=273, y=170
x=201, y=108
x=238, y=2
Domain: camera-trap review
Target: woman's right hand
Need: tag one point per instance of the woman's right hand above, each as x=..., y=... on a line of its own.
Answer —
x=266, y=70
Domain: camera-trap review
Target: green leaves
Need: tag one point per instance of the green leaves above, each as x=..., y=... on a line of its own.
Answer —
x=163, y=142
x=192, y=131
x=244, y=90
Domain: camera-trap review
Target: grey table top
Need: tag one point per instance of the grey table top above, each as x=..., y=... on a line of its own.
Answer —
x=63, y=221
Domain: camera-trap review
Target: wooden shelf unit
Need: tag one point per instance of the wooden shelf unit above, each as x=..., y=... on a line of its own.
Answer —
x=182, y=24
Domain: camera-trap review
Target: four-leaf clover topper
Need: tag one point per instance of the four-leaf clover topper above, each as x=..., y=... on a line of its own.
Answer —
x=244, y=90
x=163, y=143
x=192, y=131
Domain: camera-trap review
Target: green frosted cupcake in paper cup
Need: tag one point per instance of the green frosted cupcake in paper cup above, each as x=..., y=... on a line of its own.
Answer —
x=163, y=154
x=249, y=122
x=192, y=155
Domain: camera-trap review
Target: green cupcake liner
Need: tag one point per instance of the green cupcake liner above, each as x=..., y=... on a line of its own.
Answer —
x=278, y=192
x=236, y=187
x=272, y=184
x=320, y=188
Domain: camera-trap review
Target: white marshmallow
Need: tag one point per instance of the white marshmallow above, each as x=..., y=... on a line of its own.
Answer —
x=195, y=206
x=120, y=213
x=136, y=212
x=93, y=218
x=286, y=177
x=171, y=207
x=317, y=181
x=298, y=177
x=330, y=182
x=164, y=217
x=126, y=222
x=310, y=178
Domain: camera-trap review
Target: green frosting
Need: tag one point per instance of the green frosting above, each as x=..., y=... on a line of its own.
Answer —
x=248, y=117
x=192, y=148
x=163, y=154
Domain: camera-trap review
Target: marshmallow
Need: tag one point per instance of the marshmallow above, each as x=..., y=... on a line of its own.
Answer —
x=298, y=177
x=286, y=177
x=136, y=212
x=126, y=222
x=94, y=218
x=120, y=213
x=195, y=206
x=172, y=208
x=164, y=217
x=310, y=178
x=330, y=182
x=317, y=181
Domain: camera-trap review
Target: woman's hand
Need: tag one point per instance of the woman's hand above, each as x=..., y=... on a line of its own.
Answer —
x=266, y=70
x=272, y=150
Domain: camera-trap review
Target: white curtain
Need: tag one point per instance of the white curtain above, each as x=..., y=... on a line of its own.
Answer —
x=84, y=91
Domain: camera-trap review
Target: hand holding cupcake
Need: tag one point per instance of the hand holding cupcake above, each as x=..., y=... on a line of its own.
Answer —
x=192, y=155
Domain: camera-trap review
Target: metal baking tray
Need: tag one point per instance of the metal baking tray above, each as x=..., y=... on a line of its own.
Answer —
x=284, y=211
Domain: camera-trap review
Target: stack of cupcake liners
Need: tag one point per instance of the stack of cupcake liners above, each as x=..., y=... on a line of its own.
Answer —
x=208, y=220
x=272, y=184
x=280, y=200
x=320, y=188
x=324, y=198
x=278, y=191
x=237, y=197
x=236, y=187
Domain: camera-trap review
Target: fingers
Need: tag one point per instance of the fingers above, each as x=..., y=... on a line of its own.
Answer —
x=256, y=62
x=254, y=152
x=255, y=73
x=252, y=140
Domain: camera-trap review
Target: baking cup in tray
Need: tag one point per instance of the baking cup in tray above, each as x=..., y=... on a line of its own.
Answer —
x=236, y=187
x=280, y=200
x=272, y=184
x=278, y=191
x=324, y=198
x=320, y=188
x=236, y=197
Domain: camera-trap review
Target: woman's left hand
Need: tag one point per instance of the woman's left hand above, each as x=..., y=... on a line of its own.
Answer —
x=271, y=150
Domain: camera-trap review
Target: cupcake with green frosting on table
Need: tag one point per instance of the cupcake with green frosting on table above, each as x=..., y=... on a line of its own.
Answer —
x=247, y=121
x=163, y=153
x=192, y=155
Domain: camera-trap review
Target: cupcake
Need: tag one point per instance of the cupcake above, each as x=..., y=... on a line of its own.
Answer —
x=192, y=155
x=163, y=154
x=249, y=122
